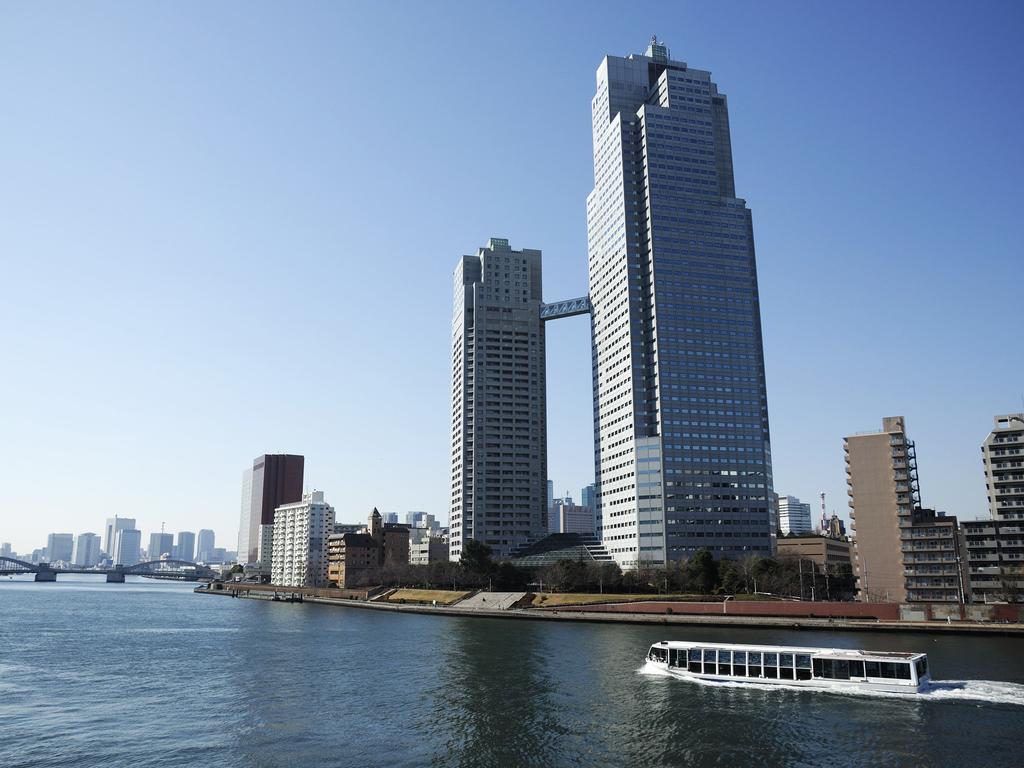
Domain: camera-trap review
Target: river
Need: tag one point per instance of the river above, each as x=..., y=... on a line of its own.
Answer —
x=149, y=674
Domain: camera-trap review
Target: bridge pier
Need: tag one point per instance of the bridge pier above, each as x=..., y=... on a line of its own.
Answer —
x=115, y=577
x=46, y=575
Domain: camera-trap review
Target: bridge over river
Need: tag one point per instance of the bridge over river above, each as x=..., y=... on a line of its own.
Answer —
x=176, y=570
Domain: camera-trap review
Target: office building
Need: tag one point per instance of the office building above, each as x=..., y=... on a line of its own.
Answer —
x=391, y=517
x=794, y=516
x=430, y=549
x=185, y=549
x=300, y=538
x=86, y=552
x=881, y=475
x=551, y=494
x=161, y=545
x=683, y=458
x=113, y=525
x=263, y=565
x=5, y=549
x=205, y=545
x=587, y=496
x=1002, y=456
x=570, y=518
x=59, y=547
x=274, y=480
x=832, y=555
x=499, y=441
x=127, y=545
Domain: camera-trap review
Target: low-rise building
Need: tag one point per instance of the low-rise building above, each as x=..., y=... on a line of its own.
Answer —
x=993, y=560
x=823, y=551
x=353, y=558
x=301, y=531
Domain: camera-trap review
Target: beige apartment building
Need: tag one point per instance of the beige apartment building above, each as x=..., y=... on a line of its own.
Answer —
x=881, y=475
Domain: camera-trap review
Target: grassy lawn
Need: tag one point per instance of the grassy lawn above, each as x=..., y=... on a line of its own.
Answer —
x=443, y=596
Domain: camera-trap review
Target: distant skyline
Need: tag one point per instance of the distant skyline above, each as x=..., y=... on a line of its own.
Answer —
x=228, y=230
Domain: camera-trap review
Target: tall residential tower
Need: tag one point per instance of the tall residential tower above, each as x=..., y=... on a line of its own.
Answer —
x=499, y=440
x=683, y=459
x=274, y=479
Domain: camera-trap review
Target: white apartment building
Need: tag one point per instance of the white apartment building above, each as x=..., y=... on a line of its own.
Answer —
x=299, y=555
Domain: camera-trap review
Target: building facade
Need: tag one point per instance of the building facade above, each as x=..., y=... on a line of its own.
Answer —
x=431, y=549
x=127, y=546
x=113, y=525
x=833, y=555
x=499, y=421
x=794, y=516
x=300, y=538
x=1002, y=456
x=86, y=552
x=274, y=479
x=931, y=558
x=993, y=560
x=572, y=518
x=354, y=558
x=60, y=547
x=683, y=459
x=160, y=544
x=206, y=542
x=881, y=478
x=185, y=549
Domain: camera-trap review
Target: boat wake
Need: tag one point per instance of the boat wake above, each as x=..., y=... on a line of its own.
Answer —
x=981, y=691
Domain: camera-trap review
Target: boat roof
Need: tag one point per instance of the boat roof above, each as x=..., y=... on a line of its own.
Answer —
x=838, y=653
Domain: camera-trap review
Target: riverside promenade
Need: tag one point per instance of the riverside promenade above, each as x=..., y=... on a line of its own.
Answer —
x=519, y=605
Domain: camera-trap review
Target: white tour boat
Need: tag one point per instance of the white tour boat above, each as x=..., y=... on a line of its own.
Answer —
x=833, y=668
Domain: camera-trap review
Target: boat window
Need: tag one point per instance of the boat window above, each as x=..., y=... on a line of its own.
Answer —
x=709, y=655
x=888, y=669
x=724, y=656
x=841, y=667
x=786, y=673
x=695, y=654
x=803, y=661
x=903, y=671
x=819, y=668
x=710, y=669
x=856, y=669
x=771, y=671
x=739, y=657
x=922, y=667
x=786, y=660
x=771, y=659
x=827, y=670
x=694, y=666
x=754, y=658
x=753, y=671
x=872, y=669
x=803, y=674
x=673, y=657
x=661, y=654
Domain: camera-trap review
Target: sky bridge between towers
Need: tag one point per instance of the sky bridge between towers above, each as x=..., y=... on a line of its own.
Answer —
x=567, y=308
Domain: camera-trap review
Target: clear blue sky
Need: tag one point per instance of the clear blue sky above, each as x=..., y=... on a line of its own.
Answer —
x=230, y=228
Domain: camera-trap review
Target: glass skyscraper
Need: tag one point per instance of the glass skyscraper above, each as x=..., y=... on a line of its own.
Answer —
x=683, y=460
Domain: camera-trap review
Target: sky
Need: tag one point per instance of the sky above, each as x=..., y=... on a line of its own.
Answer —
x=229, y=229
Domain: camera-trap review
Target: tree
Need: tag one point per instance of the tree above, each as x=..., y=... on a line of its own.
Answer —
x=476, y=557
x=703, y=571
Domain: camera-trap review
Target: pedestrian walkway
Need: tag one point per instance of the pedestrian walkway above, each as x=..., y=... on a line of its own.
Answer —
x=492, y=601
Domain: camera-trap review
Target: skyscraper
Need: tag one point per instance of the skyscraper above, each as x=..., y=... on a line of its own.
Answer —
x=205, y=547
x=86, y=552
x=274, y=479
x=185, y=549
x=682, y=457
x=587, y=495
x=59, y=547
x=499, y=441
x=160, y=544
x=127, y=543
x=113, y=525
